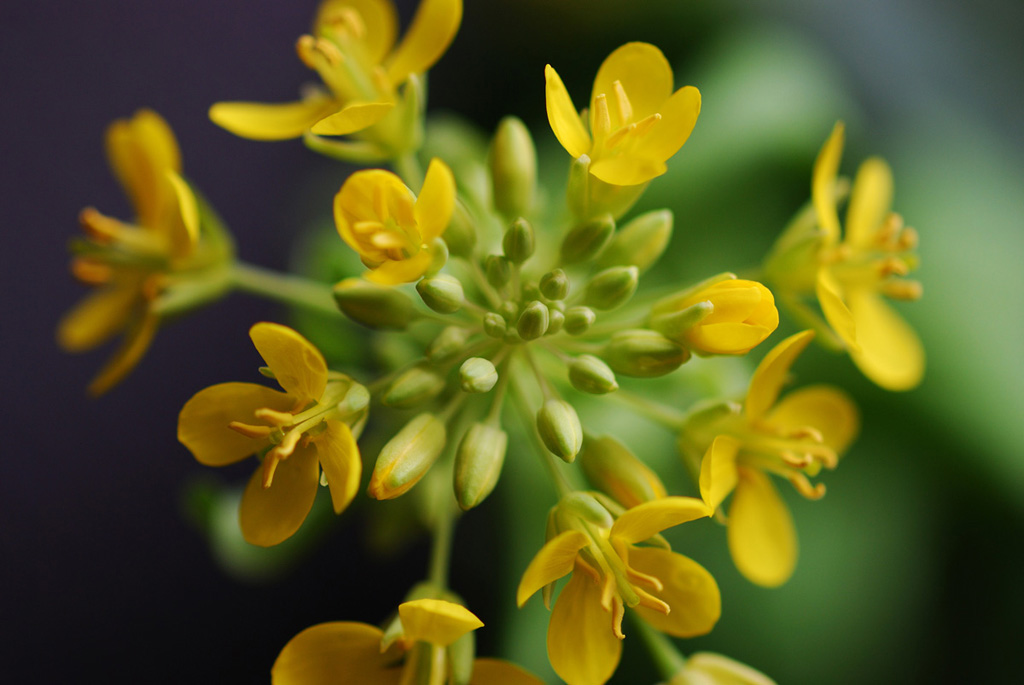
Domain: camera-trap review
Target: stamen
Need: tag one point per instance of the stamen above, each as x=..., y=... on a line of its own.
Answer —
x=100, y=227
x=91, y=271
x=272, y=416
x=388, y=240
x=652, y=602
x=800, y=461
x=902, y=289
x=888, y=230
x=893, y=266
x=806, y=432
x=620, y=135
x=908, y=238
x=804, y=487
x=639, y=578
x=250, y=431
x=305, y=46
x=380, y=79
x=153, y=286
x=329, y=51
x=269, y=467
x=588, y=569
x=287, y=446
x=622, y=103
x=608, y=592
x=647, y=123
x=602, y=118
x=349, y=20
x=618, y=611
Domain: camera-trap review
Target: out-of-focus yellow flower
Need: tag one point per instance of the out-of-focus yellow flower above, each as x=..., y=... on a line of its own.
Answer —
x=310, y=426
x=392, y=230
x=342, y=653
x=353, y=50
x=130, y=263
x=708, y=668
x=609, y=571
x=635, y=122
x=742, y=314
x=792, y=438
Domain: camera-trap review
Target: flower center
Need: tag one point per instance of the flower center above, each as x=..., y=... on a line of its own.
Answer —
x=615, y=130
x=881, y=263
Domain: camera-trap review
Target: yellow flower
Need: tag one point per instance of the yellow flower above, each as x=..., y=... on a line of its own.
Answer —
x=635, y=123
x=300, y=431
x=708, y=668
x=343, y=652
x=609, y=571
x=353, y=50
x=130, y=264
x=741, y=315
x=392, y=230
x=792, y=438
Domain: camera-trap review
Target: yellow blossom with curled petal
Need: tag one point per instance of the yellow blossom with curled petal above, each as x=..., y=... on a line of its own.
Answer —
x=343, y=652
x=353, y=50
x=309, y=427
x=394, y=231
x=792, y=438
x=673, y=593
x=636, y=122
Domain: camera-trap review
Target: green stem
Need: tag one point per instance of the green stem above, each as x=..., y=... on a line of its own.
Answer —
x=562, y=485
x=285, y=288
x=656, y=411
x=408, y=167
x=667, y=658
x=441, y=551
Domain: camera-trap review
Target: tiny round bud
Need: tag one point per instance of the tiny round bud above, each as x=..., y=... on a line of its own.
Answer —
x=534, y=321
x=612, y=287
x=509, y=310
x=589, y=374
x=494, y=325
x=498, y=270
x=373, y=305
x=442, y=293
x=554, y=285
x=578, y=320
x=586, y=240
x=460, y=236
x=518, y=241
x=560, y=429
x=557, y=320
x=477, y=375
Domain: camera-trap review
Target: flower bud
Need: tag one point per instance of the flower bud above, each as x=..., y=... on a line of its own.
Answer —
x=586, y=240
x=513, y=163
x=639, y=243
x=412, y=387
x=478, y=463
x=743, y=315
x=641, y=353
x=438, y=257
x=407, y=457
x=578, y=320
x=612, y=287
x=518, y=242
x=589, y=374
x=460, y=235
x=498, y=270
x=534, y=320
x=675, y=325
x=494, y=325
x=613, y=469
x=373, y=305
x=442, y=293
x=582, y=505
x=449, y=342
x=557, y=319
x=554, y=285
x=560, y=429
x=477, y=375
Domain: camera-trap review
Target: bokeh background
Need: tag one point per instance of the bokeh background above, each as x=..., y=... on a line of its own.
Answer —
x=114, y=554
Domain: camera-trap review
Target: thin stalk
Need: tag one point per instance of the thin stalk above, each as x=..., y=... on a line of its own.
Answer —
x=440, y=553
x=408, y=167
x=667, y=658
x=562, y=485
x=285, y=288
x=656, y=411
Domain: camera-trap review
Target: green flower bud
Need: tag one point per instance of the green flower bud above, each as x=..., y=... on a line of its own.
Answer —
x=582, y=505
x=449, y=342
x=412, y=387
x=513, y=163
x=612, y=287
x=613, y=469
x=509, y=311
x=512, y=337
x=589, y=374
x=578, y=320
x=518, y=242
x=643, y=354
x=442, y=293
x=460, y=236
x=372, y=305
x=478, y=463
x=439, y=252
x=577, y=192
x=554, y=285
x=494, y=325
x=498, y=270
x=560, y=429
x=534, y=320
x=675, y=324
x=477, y=375
x=356, y=400
x=639, y=243
x=586, y=240
x=407, y=457
x=557, y=319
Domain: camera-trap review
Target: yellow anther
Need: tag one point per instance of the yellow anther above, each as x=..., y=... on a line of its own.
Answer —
x=100, y=227
x=652, y=602
x=892, y=266
x=90, y=271
x=889, y=230
x=274, y=417
x=608, y=591
x=287, y=446
x=588, y=569
x=153, y=286
x=620, y=135
x=388, y=240
x=249, y=431
x=269, y=467
x=349, y=20
x=622, y=103
x=902, y=289
x=908, y=238
x=602, y=118
x=647, y=123
x=806, y=432
x=643, y=579
x=329, y=51
x=826, y=455
x=618, y=611
x=305, y=46
x=799, y=461
x=804, y=487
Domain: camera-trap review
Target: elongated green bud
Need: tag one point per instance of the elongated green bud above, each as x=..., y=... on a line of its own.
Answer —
x=447, y=344
x=513, y=163
x=560, y=429
x=557, y=320
x=518, y=242
x=675, y=324
x=612, y=287
x=554, y=285
x=407, y=457
x=582, y=505
x=639, y=243
x=416, y=385
x=586, y=240
x=494, y=325
x=460, y=235
x=578, y=320
x=478, y=463
x=534, y=321
x=643, y=354
x=372, y=305
x=442, y=293
x=613, y=469
x=498, y=270
x=577, y=192
x=477, y=375
x=589, y=374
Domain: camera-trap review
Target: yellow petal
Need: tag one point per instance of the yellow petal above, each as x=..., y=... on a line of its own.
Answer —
x=870, y=200
x=554, y=560
x=762, y=539
x=678, y=117
x=338, y=653
x=352, y=118
x=826, y=168
x=771, y=373
x=582, y=647
x=718, y=473
x=627, y=171
x=722, y=670
x=97, y=318
x=826, y=409
x=262, y=121
x=269, y=516
x=434, y=206
x=378, y=18
x=203, y=421
x=436, y=621
x=497, y=672
x=890, y=352
x=185, y=227
x=134, y=344
x=562, y=115
x=402, y=271
x=339, y=458
x=645, y=76
x=689, y=590
x=297, y=365
x=646, y=520
x=836, y=312
x=140, y=150
x=727, y=338
x=432, y=30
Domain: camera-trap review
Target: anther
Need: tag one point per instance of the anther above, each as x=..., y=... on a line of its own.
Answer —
x=643, y=579
x=272, y=416
x=269, y=467
x=349, y=20
x=91, y=271
x=625, y=108
x=620, y=135
x=250, y=431
x=329, y=51
x=652, y=602
x=806, y=432
x=888, y=230
x=305, y=46
x=287, y=446
x=908, y=238
x=902, y=289
x=99, y=227
x=647, y=123
x=618, y=611
x=804, y=487
x=602, y=118
x=893, y=266
x=799, y=461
